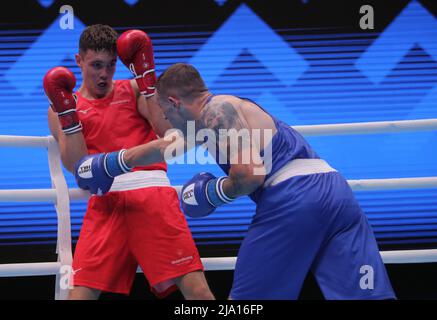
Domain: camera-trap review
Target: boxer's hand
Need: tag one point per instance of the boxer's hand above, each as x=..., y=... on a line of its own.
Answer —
x=135, y=50
x=202, y=194
x=59, y=83
x=96, y=172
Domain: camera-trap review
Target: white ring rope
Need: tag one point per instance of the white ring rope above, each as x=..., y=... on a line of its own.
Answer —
x=310, y=130
x=24, y=142
x=227, y=263
x=49, y=195
x=30, y=269
x=211, y=264
x=368, y=127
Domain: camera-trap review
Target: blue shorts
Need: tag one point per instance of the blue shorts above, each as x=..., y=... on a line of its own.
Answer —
x=310, y=223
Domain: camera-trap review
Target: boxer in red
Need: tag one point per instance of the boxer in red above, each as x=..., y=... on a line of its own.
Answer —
x=138, y=222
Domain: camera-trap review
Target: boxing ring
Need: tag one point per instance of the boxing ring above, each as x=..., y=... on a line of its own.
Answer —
x=61, y=196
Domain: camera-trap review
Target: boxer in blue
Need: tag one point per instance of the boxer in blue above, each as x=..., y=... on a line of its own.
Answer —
x=307, y=218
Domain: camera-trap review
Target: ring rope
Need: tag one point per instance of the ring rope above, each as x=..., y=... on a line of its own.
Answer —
x=306, y=130
x=76, y=194
x=211, y=264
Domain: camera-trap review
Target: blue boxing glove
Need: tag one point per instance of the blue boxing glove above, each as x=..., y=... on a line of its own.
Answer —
x=203, y=194
x=96, y=172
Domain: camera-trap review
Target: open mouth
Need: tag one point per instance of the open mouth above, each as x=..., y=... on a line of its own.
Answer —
x=102, y=85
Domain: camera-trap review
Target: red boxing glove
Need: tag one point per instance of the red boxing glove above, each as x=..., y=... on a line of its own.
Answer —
x=59, y=83
x=135, y=50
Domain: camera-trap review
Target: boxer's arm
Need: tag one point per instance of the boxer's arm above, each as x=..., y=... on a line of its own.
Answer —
x=244, y=176
x=158, y=150
x=72, y=146
x=152, y=112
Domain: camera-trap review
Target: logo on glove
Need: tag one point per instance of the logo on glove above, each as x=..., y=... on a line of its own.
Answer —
x=84, y=170
x=188, y=196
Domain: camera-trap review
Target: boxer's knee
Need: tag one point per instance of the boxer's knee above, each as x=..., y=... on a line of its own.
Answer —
x=83, y=293
x=194, y=286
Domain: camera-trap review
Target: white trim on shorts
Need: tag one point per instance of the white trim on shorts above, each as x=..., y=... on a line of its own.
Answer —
x=140, y=179
x=298, y=167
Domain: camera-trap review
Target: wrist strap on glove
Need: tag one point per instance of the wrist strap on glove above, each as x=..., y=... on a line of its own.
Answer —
x=114, y=164
x=144, y=81
x=215, y=194
x=69, y=121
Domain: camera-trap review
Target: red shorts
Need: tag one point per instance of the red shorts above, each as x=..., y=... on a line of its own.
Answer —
x=124, y=229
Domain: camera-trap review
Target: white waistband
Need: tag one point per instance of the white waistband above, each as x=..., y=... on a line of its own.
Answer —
x=298, y=167
x=140, y=179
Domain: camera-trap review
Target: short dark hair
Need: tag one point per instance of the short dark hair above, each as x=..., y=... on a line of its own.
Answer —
x=181, y=79
x=98, y=37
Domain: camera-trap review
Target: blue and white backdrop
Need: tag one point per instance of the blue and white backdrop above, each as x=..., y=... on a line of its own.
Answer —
x=317, y=73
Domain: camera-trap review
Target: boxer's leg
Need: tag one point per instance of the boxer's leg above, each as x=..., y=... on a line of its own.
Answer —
x=282, y=241
x=102, y=259
x=349, y=265
x=193, y=286
x=162, y=243
x=83, y=293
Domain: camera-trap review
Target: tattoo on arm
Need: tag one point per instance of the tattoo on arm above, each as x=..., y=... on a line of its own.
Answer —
x=222, y=115
x=237, y=146
x=232, y=132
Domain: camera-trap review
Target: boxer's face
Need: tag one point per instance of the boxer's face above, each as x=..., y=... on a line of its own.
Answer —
x=172, y=111
x=98, y=68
